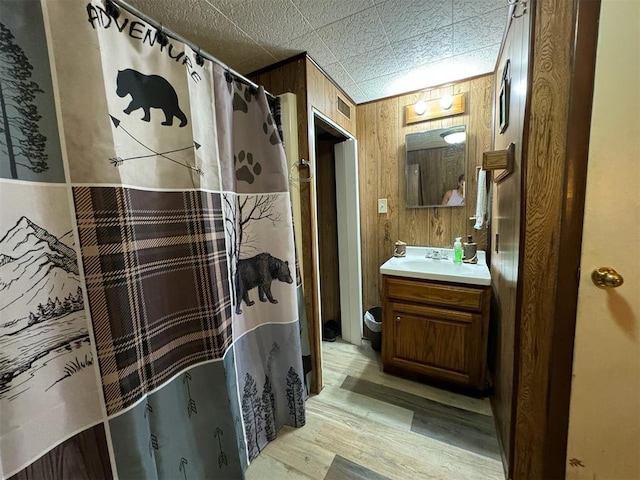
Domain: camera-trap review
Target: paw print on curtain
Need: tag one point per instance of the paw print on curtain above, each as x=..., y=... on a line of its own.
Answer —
x=269, y=126
x=246, y=168
x=248, y=137
x=243, y=95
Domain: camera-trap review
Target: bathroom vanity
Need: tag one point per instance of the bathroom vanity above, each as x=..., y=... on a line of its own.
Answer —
x=436, y=317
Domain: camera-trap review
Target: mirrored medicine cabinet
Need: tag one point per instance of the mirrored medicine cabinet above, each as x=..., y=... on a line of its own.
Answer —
x=435, y=163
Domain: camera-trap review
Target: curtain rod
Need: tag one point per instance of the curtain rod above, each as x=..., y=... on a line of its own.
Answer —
x=170, y=33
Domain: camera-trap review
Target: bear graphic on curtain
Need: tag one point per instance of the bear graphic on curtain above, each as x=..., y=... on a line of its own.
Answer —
x=154, y=153
x=149, y=91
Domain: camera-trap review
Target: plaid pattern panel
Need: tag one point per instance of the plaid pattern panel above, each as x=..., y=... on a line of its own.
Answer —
x=157, y=279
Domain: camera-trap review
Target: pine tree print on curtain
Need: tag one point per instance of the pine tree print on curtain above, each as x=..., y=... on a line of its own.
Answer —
x=295, y=398
x=268, y=407
x=163, y=154
x=252, y=414
x=259, y=232
x=29, y=145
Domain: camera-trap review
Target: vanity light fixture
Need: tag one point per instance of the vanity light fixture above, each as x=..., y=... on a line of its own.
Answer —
x=446, y=106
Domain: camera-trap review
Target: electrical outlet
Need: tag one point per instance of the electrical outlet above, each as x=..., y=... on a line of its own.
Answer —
x=382, y=205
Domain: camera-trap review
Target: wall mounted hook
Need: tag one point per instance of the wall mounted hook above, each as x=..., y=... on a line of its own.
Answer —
x=524, y=8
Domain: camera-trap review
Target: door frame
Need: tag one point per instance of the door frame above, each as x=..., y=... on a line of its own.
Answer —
x=349, y=240
x=555, y=156
x=354, y=235
x=570, y=247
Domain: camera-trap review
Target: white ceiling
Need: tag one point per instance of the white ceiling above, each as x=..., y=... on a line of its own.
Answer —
x=370, y=48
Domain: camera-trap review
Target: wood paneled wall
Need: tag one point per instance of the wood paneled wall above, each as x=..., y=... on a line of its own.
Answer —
x=322, y=94
x=538, y=214
x=550, y=185
x=381, y=131
x=505, y=253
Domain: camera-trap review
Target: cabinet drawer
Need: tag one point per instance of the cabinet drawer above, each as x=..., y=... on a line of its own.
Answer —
x=451, y=296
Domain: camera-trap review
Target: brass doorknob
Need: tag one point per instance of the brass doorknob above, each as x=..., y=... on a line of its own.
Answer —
x=606, y=277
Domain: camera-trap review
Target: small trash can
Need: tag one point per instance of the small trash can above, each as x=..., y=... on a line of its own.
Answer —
x=373, y=321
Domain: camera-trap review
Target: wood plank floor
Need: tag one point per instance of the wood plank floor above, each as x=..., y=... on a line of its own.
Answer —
x=366, y=424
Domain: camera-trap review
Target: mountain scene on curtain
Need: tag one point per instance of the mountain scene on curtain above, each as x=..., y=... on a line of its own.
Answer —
x=44, y=339
x=29, y=144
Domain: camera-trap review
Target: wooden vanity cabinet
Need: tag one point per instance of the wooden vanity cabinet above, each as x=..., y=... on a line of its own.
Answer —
x=436, y=330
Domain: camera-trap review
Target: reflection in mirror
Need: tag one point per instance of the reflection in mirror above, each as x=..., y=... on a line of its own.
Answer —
x=435, y=166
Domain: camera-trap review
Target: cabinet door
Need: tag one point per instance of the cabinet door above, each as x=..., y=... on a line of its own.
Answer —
x=436, y=342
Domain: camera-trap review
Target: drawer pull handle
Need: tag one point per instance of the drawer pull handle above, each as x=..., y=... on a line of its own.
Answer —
x=397, y=319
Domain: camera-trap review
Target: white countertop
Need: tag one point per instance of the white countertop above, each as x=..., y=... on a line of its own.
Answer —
x=416, y=265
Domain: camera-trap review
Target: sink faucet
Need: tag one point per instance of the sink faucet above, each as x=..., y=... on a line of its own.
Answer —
x=437, y=254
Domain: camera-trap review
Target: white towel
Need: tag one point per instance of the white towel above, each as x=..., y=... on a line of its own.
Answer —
x=489, y=203
x=481, y=202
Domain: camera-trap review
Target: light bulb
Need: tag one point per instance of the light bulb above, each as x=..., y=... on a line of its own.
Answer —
x=446, y=102
x=420, y=107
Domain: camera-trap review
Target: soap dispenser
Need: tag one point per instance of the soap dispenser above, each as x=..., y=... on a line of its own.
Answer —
x=457, y=250
x=470, y=251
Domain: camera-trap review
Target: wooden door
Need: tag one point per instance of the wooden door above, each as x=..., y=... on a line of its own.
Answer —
x=604, y=419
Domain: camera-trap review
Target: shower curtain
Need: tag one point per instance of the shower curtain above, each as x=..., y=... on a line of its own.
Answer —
x=148, y=297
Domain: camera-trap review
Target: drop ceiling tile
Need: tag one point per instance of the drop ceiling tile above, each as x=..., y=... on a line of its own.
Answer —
x=409, y=18
x=201, y=24
x=323, y=12
x=350, y=88
x=425, y=76
x=374, y=63
x=245, y=65
x=425, y=48
x=432, y=74
x=316, y=48
x=177, y=17
x=463, y=9
x=478, y=32
x=383, y=86
x=251, y=34
x=338, y=74
x=354, y=35
x=355, y=93
x=310, y=43
x=479, y=61
x=244, y=62
x=268, y=22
